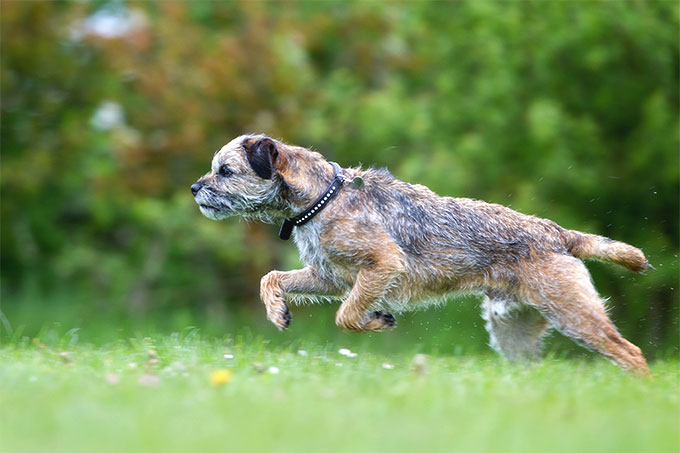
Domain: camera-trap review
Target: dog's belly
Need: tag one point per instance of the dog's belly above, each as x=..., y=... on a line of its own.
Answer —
x=397, y=302
x=421, y=287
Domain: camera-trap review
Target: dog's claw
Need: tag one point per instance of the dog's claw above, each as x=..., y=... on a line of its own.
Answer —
x=282, y=321
x=386, y=319
x=389, y=319
x=286, y=317
x=280, y=316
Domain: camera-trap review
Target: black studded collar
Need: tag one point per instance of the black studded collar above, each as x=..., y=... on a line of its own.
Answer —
x=316, y=207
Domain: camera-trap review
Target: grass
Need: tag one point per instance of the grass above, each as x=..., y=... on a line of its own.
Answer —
x=158, y=394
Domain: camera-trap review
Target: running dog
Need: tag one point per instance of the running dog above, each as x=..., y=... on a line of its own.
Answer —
x=382, y=246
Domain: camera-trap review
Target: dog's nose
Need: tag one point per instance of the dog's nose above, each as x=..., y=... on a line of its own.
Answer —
x=195, y=187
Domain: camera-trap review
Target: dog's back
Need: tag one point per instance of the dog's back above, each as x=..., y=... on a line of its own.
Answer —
x=467, y=235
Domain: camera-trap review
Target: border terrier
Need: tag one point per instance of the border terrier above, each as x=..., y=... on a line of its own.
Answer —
x=384, y=246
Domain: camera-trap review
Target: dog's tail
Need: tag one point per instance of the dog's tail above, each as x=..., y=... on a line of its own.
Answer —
x=584, y=245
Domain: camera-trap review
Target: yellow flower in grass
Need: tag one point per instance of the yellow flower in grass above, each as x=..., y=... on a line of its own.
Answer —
x=220, y=377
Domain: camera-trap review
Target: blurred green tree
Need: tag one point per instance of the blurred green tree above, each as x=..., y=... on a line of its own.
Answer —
x=110, y=110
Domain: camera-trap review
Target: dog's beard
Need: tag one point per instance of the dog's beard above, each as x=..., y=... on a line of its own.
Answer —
x=215, y=213
x=213, y=206
x=219, y=207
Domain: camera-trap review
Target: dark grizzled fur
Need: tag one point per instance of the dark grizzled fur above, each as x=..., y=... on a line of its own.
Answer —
x=419, y=225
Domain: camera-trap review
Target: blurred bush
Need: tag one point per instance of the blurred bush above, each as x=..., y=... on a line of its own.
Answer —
x=110, y=110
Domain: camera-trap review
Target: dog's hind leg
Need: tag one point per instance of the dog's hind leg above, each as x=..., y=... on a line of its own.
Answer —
x=276, y=284
x=515, y=330
x=565, y=295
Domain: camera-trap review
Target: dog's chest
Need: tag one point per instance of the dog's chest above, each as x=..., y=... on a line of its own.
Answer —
x=307, y=240
x=312, y=252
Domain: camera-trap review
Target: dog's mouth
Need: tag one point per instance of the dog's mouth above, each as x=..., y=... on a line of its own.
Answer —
x=213, y=212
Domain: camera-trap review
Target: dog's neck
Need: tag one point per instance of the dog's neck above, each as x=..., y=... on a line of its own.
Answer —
x=301, y=190
x=312, y=210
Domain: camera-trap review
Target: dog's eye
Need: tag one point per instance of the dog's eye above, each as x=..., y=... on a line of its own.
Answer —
x=224, y=171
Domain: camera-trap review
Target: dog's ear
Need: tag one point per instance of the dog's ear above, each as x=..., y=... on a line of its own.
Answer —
x=262, y=155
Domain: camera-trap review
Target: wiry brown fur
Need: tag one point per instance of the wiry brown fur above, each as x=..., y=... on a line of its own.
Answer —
x=393, y=246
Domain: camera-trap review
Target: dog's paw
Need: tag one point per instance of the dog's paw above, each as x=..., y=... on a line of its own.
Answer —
x=379, y=320
x=280, y=316
x=386, y=318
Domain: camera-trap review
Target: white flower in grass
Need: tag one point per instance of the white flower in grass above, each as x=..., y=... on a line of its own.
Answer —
x=148, y=380
x=302, y=352
x=387, y=366
x=228, y=356
x=112, y=379
x=273, y=370
x=178, y=366
x=66, y=358
x=344, y=351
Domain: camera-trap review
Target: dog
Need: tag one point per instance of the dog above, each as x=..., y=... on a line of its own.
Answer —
x=382, y=246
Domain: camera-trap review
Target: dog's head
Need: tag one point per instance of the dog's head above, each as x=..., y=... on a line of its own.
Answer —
x=243, y=179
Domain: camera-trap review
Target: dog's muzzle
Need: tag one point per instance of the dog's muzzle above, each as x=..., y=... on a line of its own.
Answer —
x=216, y=208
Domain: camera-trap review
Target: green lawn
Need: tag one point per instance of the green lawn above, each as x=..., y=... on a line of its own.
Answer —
x=122, y=397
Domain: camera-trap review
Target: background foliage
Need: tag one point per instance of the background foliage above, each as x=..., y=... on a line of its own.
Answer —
x=110, y=110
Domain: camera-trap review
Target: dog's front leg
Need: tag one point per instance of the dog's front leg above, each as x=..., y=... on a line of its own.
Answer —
x=371, y=283
x=275, y=285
